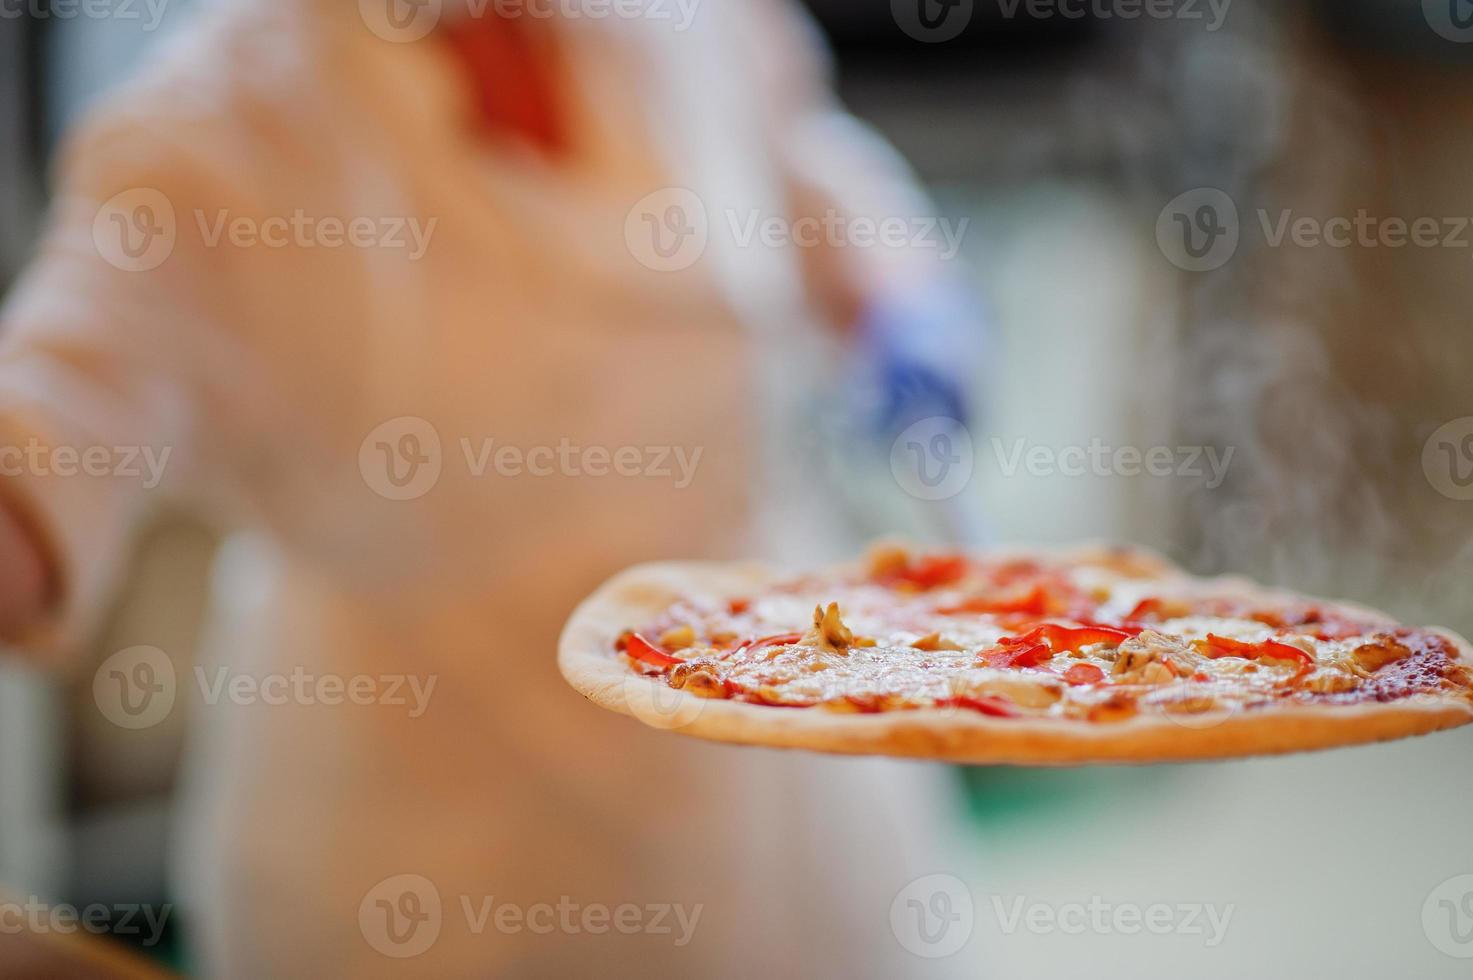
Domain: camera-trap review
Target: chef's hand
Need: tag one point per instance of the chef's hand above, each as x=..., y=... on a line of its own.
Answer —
x=25, y=579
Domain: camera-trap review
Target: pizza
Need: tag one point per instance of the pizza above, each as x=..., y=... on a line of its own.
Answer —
x=1097, y=654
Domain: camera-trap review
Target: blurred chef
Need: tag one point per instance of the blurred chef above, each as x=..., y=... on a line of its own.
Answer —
x=440, y=314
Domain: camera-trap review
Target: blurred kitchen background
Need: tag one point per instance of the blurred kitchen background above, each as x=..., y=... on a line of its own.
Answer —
x=1324, y=370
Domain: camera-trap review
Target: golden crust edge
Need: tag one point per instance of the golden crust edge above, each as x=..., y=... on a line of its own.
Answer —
x=586, y=662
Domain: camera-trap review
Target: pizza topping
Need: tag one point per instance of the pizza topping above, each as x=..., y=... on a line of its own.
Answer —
x=777, y=640
x=703, y=678
x=935, y=641
x=886, y=561
x=1017, y=651
x=1145, y=659
x=1384, y=650
x=1331, y=682
x=1191, y=704
x=1156, y=608
x=931, y=573
x=829, y=631
x=996, y=707
x=1136, y=667
x=1025, y=691
x=1064, y=639
x=1117, y=707
x=1272, y=651
x=1011, y=638
x=1083, y=674
x=1034, y=602
x=646, y=652
x=678, y=638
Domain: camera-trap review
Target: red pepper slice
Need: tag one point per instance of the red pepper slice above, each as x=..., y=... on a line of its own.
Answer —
x=1148, y=607
x=995, y=707
x=1223, y=646
x=777, y=639
x=1128, y=628
x=1017, y=655
x=1035, y=603
x=1033, y=648
x=738, y=606
x=1015, y=570
x=1084, y=674
x=1066, y=639
x=646, y=652
x=932, y=571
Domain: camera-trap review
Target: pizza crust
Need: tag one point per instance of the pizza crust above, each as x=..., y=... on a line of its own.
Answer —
x=587, y=660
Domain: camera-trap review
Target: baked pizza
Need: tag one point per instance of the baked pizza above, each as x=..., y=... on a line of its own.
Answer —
x=1098, y=654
